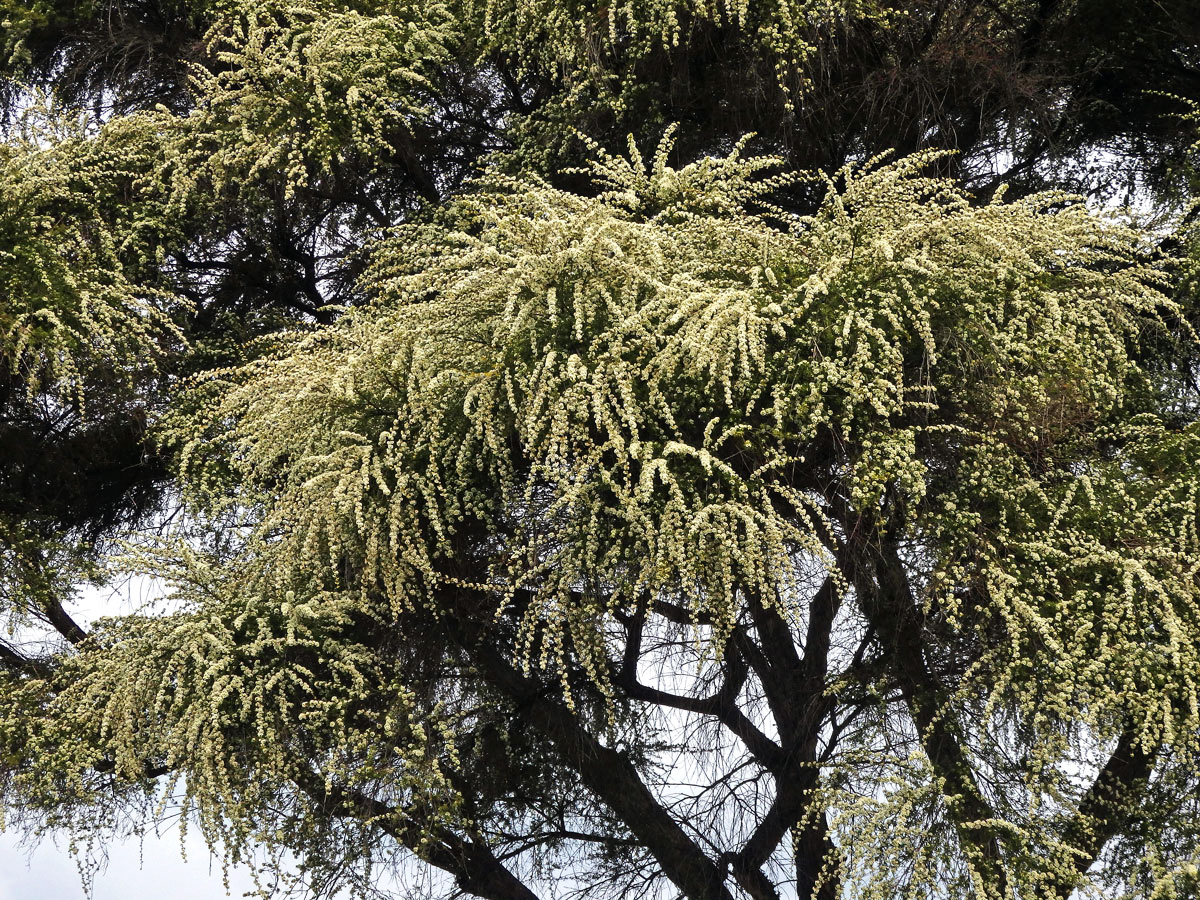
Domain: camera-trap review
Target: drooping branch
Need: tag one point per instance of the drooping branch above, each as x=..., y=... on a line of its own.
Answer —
x=472, y=863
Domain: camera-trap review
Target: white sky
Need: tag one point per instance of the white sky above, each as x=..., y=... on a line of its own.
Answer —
x=153, y=872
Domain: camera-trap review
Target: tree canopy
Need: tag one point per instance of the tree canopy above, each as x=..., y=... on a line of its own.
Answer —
x=704, y=449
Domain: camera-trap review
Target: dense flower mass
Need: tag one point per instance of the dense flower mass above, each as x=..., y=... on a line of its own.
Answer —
x=802, y=509
x=72, y=256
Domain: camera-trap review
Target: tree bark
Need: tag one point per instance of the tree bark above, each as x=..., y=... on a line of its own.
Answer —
x=606, y=772
x=1103, y=809
x=892, y=611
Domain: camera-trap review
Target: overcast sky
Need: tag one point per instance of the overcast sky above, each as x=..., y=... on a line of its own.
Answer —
x=156, y=872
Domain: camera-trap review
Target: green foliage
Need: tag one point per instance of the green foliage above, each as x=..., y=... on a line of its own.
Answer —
x=498, y=461
x=245, y=696
x=586, y=38
x=605, y=58
x=78, y=284
x=599, y=336
x=33, y=569
x=125, y=49
x=619, y=389
x=295, y=89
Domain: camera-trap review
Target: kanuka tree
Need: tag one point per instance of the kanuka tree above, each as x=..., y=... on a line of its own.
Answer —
x=608, y=450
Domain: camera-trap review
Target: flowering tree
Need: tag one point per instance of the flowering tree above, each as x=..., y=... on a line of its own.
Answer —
x=775, y=515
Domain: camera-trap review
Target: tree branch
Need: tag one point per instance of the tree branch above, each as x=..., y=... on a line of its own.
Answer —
x=1103, y=809
x=19, y=664
x=473, y=865
x=893, y=613
x=606, y=772
x=721, y=705
x=61, y=620
x=801, y=706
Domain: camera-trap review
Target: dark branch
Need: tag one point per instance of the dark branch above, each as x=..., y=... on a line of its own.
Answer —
x=19, y=664
x=606, y=772
x=893, y=613
x=721, y=705
x=472, y=863
x=1104, y=808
